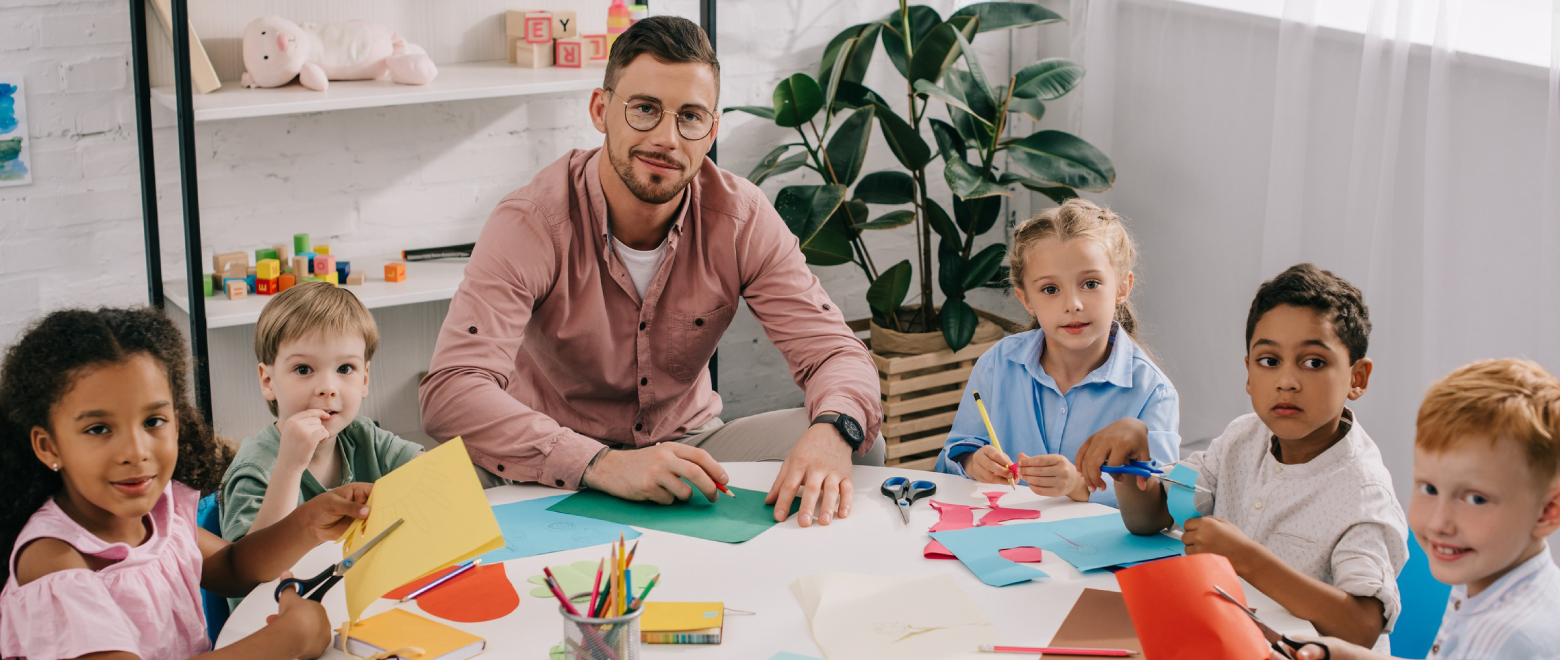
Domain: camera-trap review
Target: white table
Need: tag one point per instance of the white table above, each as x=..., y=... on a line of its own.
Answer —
x=755, y=576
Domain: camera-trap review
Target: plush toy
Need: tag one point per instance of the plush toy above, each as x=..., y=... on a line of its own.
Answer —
x=277, y=50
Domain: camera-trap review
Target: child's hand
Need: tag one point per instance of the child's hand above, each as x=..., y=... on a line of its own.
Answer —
x=1220, y=537
x=304, y=621
x=1052, y=475
x=301, y=434
x=1124, y=440
x=331, y=513
x=988, y=466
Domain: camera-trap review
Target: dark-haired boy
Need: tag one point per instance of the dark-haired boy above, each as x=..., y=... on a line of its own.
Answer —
x=1298, y=498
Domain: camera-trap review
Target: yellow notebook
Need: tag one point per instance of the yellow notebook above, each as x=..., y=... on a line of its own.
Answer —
x=682, y=623
x=399, y=629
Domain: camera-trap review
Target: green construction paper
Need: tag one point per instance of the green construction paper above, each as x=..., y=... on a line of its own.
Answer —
x=580, y=577
x=727, y=519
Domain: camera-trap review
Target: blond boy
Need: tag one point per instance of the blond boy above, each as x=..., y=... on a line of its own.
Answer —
x=314, y=343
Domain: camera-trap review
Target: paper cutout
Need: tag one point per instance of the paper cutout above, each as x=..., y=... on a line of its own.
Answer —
x=556, y=652
x=1179, y=616
x=399, y=629
x=1022, y=555
x=530, y=530
x=787, y=655
x=952, y=516
x=958, y=516
x=1098, y=620
x=483, y=593
x=578, y=577
x=905, y=617
x=447, y=521
x=1001, y=515
x=727, y=519
x=1087, y=543
x=1181, y=500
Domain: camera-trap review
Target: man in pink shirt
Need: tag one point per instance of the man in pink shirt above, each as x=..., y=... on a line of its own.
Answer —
x=576, y=346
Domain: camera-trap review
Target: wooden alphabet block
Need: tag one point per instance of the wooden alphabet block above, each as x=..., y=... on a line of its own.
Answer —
x=531, y=56
x=563, y=25
x=538, y=27
x=324, y=264
x=357, y=278
x=236, y=271
x=596, y=47
x=300, y=266
x=569, y=53
x=268, y=269
x=220, y=262
x=322, y=248
x=283, y=254
x=237, y=289
x=285, y=282
x=395, y=272
x=514, y=22
x=267, y=287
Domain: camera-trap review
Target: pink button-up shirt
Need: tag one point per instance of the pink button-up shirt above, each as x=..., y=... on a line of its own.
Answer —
x=547, y=352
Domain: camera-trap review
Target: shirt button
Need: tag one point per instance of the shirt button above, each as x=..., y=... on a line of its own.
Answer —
x=1064, y=411
x=1436, y=648
x=698, y=321
x=559, y=483
x=500, y=467
x=1278, y=469
x=472, y=329
x=1456, y=605
x=826, y=307
x=644, y=381
x=1258, y=505
x=641, y=325
x=639, y=427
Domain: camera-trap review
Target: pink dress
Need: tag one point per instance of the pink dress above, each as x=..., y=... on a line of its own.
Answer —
x=147, y=603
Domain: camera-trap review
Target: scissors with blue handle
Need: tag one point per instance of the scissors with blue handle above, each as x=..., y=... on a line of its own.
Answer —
x=905, y=492
x=1147, y=470
x=1277, y=640
x=315, y=588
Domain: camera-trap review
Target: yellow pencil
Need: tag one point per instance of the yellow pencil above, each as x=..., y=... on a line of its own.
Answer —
x=622, y=602
x=993, y=433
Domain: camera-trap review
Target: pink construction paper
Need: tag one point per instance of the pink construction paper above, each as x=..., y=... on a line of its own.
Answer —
x=953, y=516
x=958, y=516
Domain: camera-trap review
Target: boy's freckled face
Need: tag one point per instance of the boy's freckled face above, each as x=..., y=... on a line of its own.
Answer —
x=1474, y=511
x=1298, y=372
x=320, y=371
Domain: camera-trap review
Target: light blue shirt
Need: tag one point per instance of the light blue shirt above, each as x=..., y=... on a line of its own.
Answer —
x=1513, y=619
x=1032, y=416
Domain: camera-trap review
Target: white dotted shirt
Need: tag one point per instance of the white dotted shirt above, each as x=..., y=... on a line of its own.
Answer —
x=1334, y=518
x=1517, y=618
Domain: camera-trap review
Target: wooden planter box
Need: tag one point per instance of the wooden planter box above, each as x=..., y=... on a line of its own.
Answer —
x=921, y=396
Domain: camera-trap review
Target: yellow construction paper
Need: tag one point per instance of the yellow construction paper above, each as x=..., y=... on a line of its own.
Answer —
x=448, y=521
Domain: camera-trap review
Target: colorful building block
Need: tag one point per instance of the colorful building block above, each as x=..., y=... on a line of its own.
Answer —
x=235, y=271
x=343, y=269
x=285, y=282
x=322, y=248
x=637, y=13
x=312, y=278
x=331, y=277
x=214, y=284
x=563, y=25
x=357, y=278
x=300, y=243
x=236, y=289
x=268, y=269
x=267, y=287
x=538, y=27
x=618, y=17
x=596, y=47
x=324, y=264
x=262, y=254
x=569, y=53
x=220, y=262
x=395, y=272
x=300, y=266
x=284, y=255
x=531, y=56
x=206, y=284
x=250, y=282
x=250, y=271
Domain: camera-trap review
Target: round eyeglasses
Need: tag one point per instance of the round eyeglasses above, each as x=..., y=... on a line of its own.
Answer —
x=644, y=115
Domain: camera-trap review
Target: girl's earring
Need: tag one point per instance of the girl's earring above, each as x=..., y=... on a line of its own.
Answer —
x=55, y=467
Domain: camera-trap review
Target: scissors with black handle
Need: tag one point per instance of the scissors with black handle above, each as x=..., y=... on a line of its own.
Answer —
x=1276, y=640
x=905, y=492
x=315, y=588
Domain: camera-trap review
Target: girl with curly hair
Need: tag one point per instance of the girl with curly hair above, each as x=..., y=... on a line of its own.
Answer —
x=105, y=459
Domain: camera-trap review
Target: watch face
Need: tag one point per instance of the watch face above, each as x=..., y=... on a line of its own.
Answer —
x=852, y=429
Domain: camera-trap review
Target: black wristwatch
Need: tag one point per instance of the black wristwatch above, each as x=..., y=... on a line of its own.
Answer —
x=848, y=427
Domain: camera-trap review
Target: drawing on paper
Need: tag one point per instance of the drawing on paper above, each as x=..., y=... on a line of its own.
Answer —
x=15, y=151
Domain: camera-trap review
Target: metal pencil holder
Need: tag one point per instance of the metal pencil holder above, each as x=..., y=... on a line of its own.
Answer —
x=615, y=638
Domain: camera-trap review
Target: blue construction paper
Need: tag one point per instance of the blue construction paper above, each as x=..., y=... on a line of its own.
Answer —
x=1180, y=500
x=530, y=530
x=1087, y=543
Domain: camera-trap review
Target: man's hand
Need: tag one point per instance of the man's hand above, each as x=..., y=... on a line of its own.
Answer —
x=1124, y=440
x=1052, y=475
x=988, y=465
x=656, y=473
x=818, y=469
x=330, y=514
x=301, y=434
x=1220, y=537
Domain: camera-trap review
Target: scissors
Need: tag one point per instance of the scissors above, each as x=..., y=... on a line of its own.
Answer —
x=314, y=588
x=905, y=492
x=1276, y=640
x=1147, y=470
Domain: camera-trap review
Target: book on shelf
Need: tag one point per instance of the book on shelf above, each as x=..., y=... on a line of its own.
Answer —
x=203, y=77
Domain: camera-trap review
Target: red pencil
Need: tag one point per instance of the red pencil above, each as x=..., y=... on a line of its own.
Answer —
x=596, y=590
x=724, y=489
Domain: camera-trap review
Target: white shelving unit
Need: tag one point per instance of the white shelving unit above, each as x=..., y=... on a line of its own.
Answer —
x=426, y=281
x=456, y=82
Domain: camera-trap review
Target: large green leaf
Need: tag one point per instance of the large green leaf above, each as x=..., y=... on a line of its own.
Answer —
x=939, y=49
x=886, y=187
x=770, y=164
x=950, y=269
x=831, y=84
x=1063, y=159
x=857, y=54
x=847, y=150
x=922, y=20
x=890, y=220
x=974, y=131
x=926, y=87
x=958, y=323
x=1008, y=15
x=851, y=214
x=888, y=291
x=1057, y=194
x=806, y=211
x=766, y=113
x=983, y=266
x=949, y=143
x=851, y=96
x=941, y=223
x=1047, y=80
x=1034, y=108
x=977, y=216
x=967, y=182
x=977, y=75
x=903, y=140
x=797, y=99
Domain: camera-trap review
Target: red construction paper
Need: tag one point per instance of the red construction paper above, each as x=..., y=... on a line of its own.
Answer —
x=481, y=594
x=1178, y=615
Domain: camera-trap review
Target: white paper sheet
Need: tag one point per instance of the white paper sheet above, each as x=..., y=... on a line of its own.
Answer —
x=904, y=617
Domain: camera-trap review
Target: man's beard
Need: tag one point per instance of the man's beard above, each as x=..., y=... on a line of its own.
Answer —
x=652, y=192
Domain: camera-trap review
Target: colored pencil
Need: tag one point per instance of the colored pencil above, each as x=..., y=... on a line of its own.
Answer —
x=1098, y=653
x=631, y=552
x=557, y=592
x=622, y=601
x=640, y=601
x=628, y=587
x=724, y=489
x=452, y=575
x=596, y=590
x=993, y=433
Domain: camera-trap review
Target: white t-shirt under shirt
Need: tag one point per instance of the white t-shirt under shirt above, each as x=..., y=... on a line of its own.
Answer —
x=1335, y=518
x=641, y=264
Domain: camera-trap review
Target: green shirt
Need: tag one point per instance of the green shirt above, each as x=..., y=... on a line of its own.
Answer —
x=367, y=453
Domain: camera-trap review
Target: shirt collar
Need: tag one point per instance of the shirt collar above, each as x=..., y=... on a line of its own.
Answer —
x=1117, y=369
x=598, y=198
x=1345, y=446
x=1492, y=596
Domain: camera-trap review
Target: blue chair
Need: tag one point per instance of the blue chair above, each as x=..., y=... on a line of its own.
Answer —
x=209, y=515
x=1424, y=602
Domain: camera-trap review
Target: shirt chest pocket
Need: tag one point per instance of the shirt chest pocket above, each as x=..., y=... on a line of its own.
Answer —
x=689, y=339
